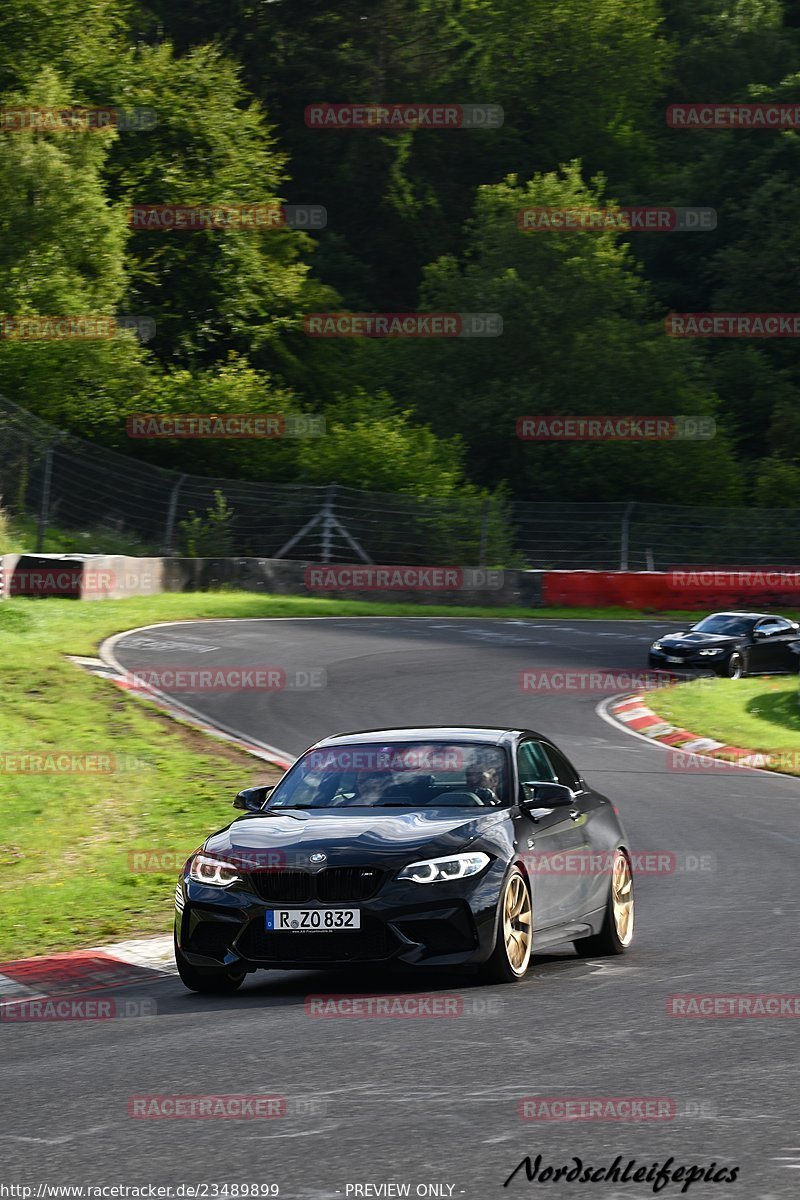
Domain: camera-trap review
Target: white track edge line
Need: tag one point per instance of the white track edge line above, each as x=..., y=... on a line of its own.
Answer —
x=282, y=758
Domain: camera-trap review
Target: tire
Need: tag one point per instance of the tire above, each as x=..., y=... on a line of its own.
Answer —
x=515, y=913
x=616, y=935
x=735, y=666
x=210, y=980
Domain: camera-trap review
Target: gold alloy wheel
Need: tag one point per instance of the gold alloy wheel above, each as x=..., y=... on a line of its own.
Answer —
x=517, y=923
x=622, y=898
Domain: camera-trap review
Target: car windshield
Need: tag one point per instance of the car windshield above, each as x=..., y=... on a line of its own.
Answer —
x=725, y=623
x=395, y=775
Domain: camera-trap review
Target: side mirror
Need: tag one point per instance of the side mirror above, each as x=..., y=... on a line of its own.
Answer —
x=758, y=634
x=546, y=795
x=252, y=799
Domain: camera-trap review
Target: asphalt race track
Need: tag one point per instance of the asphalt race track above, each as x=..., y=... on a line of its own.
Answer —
x=435, y=1101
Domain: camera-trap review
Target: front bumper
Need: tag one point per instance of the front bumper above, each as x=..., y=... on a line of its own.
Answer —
x=404, y=923
x=690, y=662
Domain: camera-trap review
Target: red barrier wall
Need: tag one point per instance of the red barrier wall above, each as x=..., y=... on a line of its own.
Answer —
x=658, y=590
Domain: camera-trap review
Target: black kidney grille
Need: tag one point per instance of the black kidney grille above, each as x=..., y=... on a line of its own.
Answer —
x=336, y=885
x=348, y=883
x=282, y=885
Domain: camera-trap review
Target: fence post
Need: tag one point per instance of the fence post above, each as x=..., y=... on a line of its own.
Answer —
x=44, y=507
x=328, y=523
x=484, y=534
x=625, y=536
x=169, y=533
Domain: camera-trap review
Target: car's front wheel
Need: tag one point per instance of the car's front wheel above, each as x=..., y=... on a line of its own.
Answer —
x=512, y=948
x=211, y=980
x=616, y=934
x=735, y=666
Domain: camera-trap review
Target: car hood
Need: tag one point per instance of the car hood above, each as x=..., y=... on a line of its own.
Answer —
x=700, y=641
x=355, y=835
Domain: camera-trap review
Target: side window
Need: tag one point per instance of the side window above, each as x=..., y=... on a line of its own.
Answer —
x=533, y=764
x=564, y=771
x=769, y=627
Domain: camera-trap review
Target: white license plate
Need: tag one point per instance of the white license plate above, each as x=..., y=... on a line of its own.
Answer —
x=312, y=920
x=671, y=658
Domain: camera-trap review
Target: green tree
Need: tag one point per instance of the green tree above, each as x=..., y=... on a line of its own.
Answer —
x=777, y=483
x=211, y=291
x=79, y=39
x=580, y=336
x=370, y=445
x=62, y=252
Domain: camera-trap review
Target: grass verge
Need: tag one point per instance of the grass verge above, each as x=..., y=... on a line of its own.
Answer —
x=760, y=714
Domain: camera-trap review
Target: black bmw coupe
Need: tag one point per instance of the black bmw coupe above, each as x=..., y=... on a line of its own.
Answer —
x=420, y=847
x=733, y=644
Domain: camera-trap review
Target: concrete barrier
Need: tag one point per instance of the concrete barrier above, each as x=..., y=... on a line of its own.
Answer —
x=80, y=576
x=472, y=587
x=115, y=577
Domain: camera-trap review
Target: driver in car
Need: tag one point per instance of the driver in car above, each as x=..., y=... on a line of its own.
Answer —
x=371, y=787
x=484, y=781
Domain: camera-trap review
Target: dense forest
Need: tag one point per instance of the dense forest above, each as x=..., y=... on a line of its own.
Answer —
x=418, y=219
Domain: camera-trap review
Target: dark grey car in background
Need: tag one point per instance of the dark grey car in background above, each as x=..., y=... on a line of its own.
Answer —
x=733, y=644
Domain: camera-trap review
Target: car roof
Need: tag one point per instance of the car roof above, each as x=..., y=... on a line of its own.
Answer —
x=750, y=615
x=483, y=734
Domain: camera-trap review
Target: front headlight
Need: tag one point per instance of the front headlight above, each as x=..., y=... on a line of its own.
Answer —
x=435, y=870
x=717, y=651
x=214, y=871
x=656, y=646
